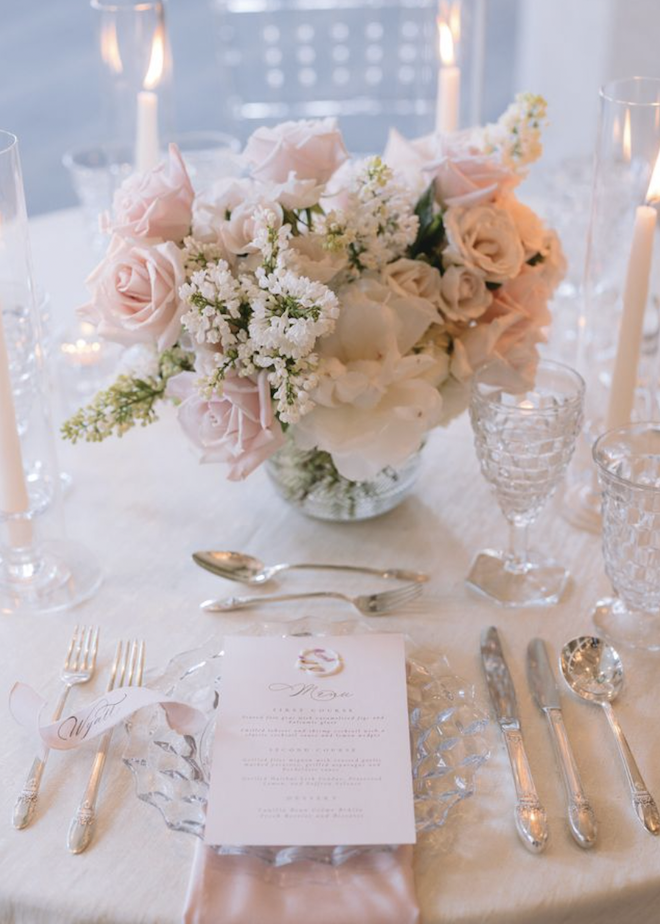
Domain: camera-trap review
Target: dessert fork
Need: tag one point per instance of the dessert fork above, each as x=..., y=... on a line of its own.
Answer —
x=127, y=670
x=369, y=604
x=78, y=668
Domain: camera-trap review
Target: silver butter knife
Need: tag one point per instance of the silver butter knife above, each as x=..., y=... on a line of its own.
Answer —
x=530, y=817
x=581, y=818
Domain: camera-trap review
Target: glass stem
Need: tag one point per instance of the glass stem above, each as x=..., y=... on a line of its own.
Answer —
x=518, y=551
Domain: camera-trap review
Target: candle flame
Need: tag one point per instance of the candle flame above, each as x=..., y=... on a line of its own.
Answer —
x=156, y=62
x=446, y=41
x=627, y=140
x=653, y=194
x=110, y=47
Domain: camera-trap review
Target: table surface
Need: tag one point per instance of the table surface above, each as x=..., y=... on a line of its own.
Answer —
x=143, y=504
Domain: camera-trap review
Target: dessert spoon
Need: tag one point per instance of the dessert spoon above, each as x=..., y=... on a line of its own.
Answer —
x=593, y=670
x=235, y=566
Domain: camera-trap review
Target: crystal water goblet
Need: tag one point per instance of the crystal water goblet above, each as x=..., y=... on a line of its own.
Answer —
x=628, y=465
x=524, y=437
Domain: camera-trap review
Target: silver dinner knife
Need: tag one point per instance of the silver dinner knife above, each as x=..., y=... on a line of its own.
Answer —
x=530, y=817
x=581, y=818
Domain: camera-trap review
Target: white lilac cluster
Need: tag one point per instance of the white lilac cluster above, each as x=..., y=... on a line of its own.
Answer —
x=376, y=222
x=349, y=304
x=259, y=317
x=516, y=136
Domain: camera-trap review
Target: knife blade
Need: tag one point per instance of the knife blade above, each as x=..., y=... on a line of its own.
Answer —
x=581, y=818
x=530, y=817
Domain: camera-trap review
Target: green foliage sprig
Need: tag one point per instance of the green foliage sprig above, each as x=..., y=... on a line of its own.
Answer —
x=130, y=401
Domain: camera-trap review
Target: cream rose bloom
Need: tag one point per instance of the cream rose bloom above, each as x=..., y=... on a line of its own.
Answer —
x=414, y=278
x=374, y=403
x=484, y=238
x=464, y=295
x=311, y=259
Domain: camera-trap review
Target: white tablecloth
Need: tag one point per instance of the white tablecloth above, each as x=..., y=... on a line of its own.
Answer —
x=143, y=505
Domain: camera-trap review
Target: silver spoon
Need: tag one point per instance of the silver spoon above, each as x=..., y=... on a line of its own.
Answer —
x=593, y=670
x=235, y=566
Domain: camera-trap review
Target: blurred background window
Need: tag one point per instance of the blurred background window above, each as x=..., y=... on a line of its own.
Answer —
x=238, y=63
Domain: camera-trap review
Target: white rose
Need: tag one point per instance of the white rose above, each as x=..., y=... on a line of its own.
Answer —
x=414, y=278
x=463, y=293
x=211, y=208
x=484, y=237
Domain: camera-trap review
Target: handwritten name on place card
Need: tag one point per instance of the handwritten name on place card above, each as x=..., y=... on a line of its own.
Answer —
x=312, y=743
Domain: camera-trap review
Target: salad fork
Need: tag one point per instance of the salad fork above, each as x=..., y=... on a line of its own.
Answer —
x=127, y=670
x=369, y=604
x=79, y=666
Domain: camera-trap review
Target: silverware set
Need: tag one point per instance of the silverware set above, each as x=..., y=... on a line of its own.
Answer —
x=593, y=671
x=79, y=667
x=236, y=566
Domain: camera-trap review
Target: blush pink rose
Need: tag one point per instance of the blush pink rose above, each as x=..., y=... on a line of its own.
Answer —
x=156, y=205
x=135, y=294
x=310, y=150
x=466, y=178
x=463, y=174
x=238, y=427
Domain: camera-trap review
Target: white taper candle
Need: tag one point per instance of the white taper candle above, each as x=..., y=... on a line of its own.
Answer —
x=13, y=489
x=146, y=137
x=624, y=378
x=447, y=105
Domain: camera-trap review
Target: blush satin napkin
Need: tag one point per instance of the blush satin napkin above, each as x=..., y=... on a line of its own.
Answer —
x=374, y=888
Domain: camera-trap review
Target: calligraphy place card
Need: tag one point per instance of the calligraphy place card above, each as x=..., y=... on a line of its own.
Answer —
x=312, y=744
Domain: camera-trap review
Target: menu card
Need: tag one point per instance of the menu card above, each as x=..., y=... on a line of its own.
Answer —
x=312, y=743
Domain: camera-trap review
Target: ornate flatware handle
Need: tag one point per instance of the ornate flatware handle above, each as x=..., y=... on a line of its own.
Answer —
x=530, y=817
x=241, y=603
x=399, y=574
x=581, y=818
x=81, y=829
x=27, y=800
x=643, y=801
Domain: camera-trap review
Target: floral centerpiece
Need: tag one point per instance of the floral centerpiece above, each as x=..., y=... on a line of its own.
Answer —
x=327, y=311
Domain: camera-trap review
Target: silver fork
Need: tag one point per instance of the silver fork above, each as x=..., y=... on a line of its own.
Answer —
x=127, y=670
x=369, y=604
x=78, y=668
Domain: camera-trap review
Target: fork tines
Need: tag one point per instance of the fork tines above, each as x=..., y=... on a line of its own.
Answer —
x=85, y=642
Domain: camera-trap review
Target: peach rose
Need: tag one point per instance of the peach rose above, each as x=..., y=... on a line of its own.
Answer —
x=237, y=427
x=463, y=293
x=156, y=205
x=531, y=229
x=135, y=294
x=310, y=150
x=509, y=331
x=485, y=238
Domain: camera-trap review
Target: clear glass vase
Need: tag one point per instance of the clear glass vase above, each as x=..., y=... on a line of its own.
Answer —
x=309, y=480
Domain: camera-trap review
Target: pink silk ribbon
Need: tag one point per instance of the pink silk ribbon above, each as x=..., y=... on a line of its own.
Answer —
x=91, y=720
x=373, y=888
